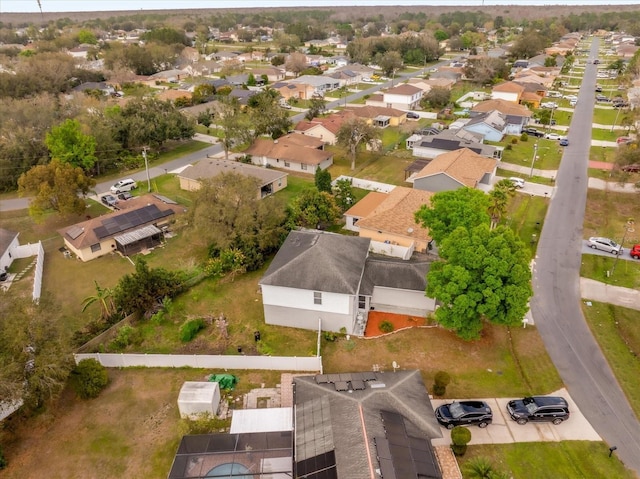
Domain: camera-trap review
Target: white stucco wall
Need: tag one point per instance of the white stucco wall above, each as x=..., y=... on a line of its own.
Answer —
x=303, y=299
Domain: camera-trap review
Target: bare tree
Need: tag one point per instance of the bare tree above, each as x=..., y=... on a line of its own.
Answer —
x=354, y=132
x=296, y=62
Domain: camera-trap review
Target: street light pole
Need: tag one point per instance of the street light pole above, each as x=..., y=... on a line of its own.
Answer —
x=627, y=229
x=535, y=151
x=146, y=166
x=616, y=120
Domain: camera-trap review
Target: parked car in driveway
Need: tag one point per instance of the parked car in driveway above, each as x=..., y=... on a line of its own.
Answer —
x=564, y=142
x=633, y=168
x=464, y=413
x=109, y=200
x=635, y=251
x=553, y=409
x=124, y=185
x=552, y=136
x=533, y=132
x=549, y=104
x=623, y=140
x=604, y=244
x=412, y=116
x=124, y=196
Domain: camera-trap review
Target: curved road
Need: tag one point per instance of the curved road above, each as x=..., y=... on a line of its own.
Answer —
x=556, y=304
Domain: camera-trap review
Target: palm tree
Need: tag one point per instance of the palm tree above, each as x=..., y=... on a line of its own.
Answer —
x=102, y=296
x=499, y=198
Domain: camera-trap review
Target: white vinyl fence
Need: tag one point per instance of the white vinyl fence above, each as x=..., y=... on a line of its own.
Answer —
x=202, y=361
x=37, y=279
x=394, y=250
x=366, y=184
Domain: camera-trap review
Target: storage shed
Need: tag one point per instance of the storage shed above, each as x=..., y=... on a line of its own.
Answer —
x=198, y=398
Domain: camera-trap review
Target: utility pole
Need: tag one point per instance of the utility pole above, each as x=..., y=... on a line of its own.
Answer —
x=535, y=151
x=146, y=166
x=628, y=228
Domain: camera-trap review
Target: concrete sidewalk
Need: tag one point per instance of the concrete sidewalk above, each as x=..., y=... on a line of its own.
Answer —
x=504, y=430
x=606, y=293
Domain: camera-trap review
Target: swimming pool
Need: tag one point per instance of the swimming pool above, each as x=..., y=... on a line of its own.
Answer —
x=231, y=470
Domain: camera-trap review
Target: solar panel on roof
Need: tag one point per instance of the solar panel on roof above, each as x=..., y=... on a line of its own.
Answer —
x=357, y=385
x=368, y=376
x=74, y=232
x=130, y=219
x=341, y=385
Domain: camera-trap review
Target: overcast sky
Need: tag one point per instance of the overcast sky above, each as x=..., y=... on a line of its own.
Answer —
x=98, y=5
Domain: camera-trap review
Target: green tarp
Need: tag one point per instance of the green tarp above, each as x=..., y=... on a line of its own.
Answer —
x=226, y=381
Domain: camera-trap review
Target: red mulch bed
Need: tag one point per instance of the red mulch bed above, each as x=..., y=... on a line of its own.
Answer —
x=399, y=321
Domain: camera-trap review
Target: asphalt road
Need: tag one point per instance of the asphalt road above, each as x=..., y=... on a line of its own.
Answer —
x=556, y=304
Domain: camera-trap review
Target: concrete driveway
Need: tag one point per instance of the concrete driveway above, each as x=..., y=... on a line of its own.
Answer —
x=503, y=430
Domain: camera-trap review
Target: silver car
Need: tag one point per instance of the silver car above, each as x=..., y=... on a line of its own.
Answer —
x=604, y=244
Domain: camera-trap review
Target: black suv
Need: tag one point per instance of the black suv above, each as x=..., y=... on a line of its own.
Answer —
x=539, y=408
x=464, y=413
x=533, y=132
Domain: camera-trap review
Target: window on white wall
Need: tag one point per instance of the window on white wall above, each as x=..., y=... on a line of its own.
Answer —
x=317, y=297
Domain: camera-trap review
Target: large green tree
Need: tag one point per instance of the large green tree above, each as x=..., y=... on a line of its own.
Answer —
x=313, y=209
x=69, y=144
x=448, y=210
x=228, y=214
x=141, y=291
x=483, y=276
x=267, y=117
x=56, y=187
x=234, y=125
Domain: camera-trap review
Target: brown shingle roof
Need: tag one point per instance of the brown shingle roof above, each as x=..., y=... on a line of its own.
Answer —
x=287, y=151
x=366, y=205
x=331, y=122
x=396, y=213
x=374, y=111
x=210, y=168
x=404, y=89
x=462, y=165
x=509, y=86
x=503, y=106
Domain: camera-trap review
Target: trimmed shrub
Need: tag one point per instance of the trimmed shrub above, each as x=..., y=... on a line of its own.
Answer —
x=386, y=326
x=89, y=378
x=440, y=383
x=126, y=335
x=191, y=328
x=460, y=437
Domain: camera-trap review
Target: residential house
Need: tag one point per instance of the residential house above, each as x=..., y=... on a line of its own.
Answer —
x=497, y=52
x=491, y=125
x=454, y=74
x=273, y=74
x=516, y=114
x=432, y=83
x=103, y=87
x=363, y=70
x=172, y=95
x=325, y=128
x=8, y=245
x=301, y=91
x=508, y=91
x=378, y=115
x=389, y=218
x=627, y=50
x=431, y=146
x=351, y=425
x=293, y=152
x=80, y=51
x=329, y=281
x=402, y=97
x=320, y=83
x=454, y=170
x=242, y=95
x=224, y=56
x=268, y=180
x=137, y=226
x=346, y=77
x=170, y=76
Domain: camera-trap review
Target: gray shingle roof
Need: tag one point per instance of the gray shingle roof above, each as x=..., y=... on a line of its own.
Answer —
x=329, y=419
x=393, y=273
x=319, y=261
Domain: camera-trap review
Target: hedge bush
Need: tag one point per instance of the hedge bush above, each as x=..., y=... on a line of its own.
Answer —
x=191, y=328
x=89, y=378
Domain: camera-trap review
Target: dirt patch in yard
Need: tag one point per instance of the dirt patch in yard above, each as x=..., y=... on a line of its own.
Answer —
x=398, y=321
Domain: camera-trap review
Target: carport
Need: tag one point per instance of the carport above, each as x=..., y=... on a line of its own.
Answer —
x=140, y=239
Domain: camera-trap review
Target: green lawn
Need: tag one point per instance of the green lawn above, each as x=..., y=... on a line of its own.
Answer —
x=606, y=116
x=549, y=153
x=617, y=332
x=625, y=273
x=605, y=134
x=602, y=153
x=526, y=217
x=551, y=460
x=375, y=166
x=607, y=213
x=533, y=179
x=295, y=185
